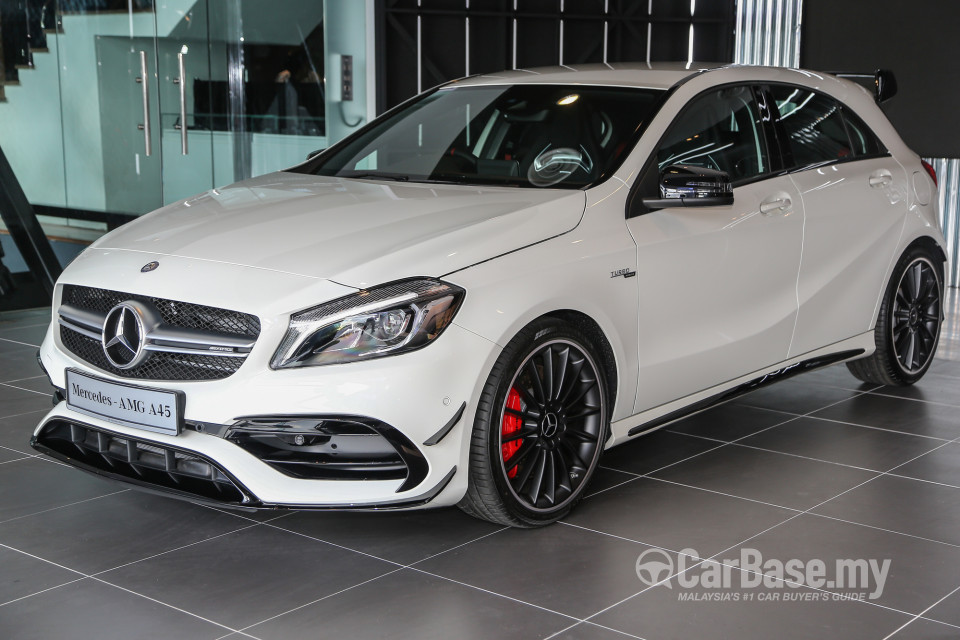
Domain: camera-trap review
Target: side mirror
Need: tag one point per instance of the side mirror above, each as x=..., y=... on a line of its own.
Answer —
x=314, y=153
x=684, y=185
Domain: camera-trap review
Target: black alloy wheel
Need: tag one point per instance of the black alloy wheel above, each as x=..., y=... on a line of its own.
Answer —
x=908, y=325
x=540, y=427
x=916, y=316
x=552, y=421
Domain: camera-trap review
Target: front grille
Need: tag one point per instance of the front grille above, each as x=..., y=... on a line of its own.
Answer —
x=147, y=464
x=160, y=365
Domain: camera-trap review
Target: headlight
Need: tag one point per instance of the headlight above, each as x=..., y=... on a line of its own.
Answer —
x=383, y=321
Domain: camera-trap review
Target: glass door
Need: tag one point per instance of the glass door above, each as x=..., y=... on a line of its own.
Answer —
x=183, y=74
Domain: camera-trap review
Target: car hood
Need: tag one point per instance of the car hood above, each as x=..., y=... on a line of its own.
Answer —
x=355, y=232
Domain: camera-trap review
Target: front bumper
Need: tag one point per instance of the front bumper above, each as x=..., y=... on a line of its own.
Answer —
x=417, y=394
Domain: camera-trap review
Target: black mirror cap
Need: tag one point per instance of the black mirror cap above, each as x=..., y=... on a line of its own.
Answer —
x=886, y=85
x=684, y=185
x=313, y=153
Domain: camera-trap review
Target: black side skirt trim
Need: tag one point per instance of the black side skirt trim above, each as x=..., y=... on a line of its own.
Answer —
x=445, y=429
x=746, y=387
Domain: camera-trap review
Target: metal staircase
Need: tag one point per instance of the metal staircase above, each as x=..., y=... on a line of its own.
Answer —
x=24, y=27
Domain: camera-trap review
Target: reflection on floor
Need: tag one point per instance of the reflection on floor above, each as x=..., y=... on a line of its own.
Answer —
x=816, y=469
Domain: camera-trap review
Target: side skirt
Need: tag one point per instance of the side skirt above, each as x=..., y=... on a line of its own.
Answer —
x=661, y=416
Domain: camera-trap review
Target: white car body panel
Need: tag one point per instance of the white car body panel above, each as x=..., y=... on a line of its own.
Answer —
x=743, y=278
x=355, y=232
x=722, y=295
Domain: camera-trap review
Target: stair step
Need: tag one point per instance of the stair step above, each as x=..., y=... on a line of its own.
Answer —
x=23, y=66
x=39, y=50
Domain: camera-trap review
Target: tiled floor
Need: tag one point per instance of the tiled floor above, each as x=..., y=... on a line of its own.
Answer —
x=818, y=468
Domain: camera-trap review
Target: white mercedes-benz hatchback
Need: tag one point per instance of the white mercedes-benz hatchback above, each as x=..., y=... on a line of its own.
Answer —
x=468, y=300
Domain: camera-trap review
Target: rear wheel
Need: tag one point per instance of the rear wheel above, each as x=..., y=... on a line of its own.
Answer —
x=540, y=427
x=908, y=326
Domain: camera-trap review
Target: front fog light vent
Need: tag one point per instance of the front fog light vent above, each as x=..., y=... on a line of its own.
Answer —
x=331, y=448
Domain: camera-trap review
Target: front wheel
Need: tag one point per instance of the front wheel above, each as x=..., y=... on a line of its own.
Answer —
x=908, y=326
x=540, y=427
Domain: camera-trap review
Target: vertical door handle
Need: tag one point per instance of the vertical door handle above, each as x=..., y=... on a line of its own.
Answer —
x=145, y=90
x=182, y=81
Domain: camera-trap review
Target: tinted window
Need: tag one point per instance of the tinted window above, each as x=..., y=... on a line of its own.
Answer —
x=719, y=130
x=864, y=142
x=525, y=135
x=813, y=126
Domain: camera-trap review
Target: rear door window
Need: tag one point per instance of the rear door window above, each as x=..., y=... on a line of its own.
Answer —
x=813, y=126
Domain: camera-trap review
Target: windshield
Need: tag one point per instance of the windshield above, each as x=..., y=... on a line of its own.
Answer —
x=523, y=135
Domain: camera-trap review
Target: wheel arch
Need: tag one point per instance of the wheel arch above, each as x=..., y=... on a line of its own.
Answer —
x=589, y=326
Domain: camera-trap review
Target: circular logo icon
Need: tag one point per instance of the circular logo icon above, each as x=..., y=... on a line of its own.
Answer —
x=150, y=266
x=123, y=336
x=550, y=425
x=654, y=565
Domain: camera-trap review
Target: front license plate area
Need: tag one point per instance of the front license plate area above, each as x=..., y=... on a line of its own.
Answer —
x=158, y=410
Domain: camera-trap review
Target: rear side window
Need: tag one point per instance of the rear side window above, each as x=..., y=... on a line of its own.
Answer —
x=864, y=142
x=813, y=125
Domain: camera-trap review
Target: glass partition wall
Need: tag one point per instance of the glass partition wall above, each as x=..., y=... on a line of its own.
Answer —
x=112, y=108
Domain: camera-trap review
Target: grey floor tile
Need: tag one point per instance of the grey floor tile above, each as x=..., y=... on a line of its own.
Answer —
x=728, y=422
x=941, y=465
x=747, y=473
x=414, y=535
x=15, y=431
x=113, y=530
x=29, y=332
x=91, y=610
x=14, y=402
x=30, y=486
x=654, y=451
x=674, y=517
x=400, y=613
x=587, y=631
x=921, y=629
x=843, y=443
x=548, y=567
x=604, y=478
x=947, y=611
x=22, y=575
x=920, y=572
x=933, y=387
x=900, y=504
x=836, y=376
x=795, y=396
x=248, y=576
x=37, y=384
x=18, y=361
x=662, y=613
x=908, y=416
x=8, y=455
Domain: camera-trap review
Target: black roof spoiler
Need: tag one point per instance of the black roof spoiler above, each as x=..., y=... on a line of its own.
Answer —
x=882, y=82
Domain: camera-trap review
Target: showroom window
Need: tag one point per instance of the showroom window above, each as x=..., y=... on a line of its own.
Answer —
x=720, y=130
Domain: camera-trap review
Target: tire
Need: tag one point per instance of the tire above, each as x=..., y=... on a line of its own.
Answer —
x=908, y=326
x=540, y=427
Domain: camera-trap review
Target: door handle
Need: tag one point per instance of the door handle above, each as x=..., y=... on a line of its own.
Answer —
x=182, y=126
x=144, y=83
x=880, y=178
x=775, y=205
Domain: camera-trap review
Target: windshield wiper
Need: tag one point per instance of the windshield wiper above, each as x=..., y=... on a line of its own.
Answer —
x=377, y=176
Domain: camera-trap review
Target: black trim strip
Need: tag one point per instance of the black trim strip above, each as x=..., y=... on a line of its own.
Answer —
x=404, y=503
x=445, y=429
x=746, y=387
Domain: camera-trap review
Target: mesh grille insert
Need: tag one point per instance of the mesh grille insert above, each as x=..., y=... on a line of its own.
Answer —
x=160, y=365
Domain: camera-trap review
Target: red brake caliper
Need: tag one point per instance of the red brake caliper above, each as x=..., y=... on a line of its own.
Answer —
x=511, y=424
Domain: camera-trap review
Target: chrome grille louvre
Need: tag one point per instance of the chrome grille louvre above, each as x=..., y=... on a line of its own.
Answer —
x=160, y=365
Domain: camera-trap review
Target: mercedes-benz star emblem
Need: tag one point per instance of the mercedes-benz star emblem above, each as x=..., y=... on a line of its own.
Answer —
x=150, y=266
x=123, y=336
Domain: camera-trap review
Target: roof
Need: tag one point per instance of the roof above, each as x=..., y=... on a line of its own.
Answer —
x=656, y=75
